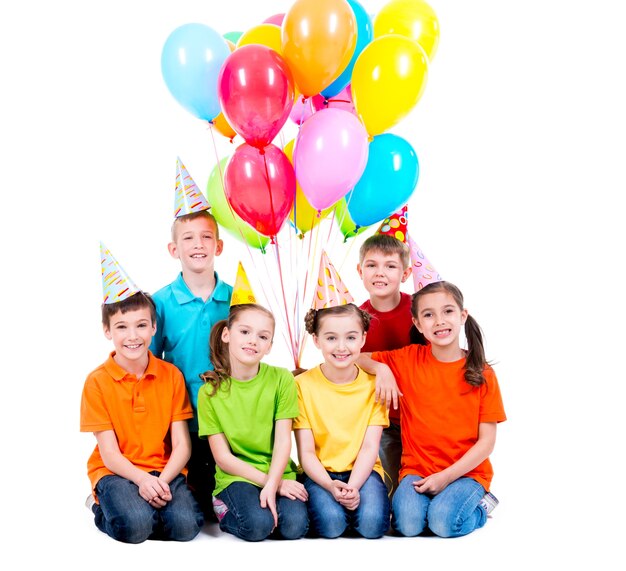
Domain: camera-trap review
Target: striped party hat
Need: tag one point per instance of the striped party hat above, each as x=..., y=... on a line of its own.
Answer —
x=116, y=285
x=423, y=271
x=187, y=196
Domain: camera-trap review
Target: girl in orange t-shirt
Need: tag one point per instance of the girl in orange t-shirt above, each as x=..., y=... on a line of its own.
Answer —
x=450, y=407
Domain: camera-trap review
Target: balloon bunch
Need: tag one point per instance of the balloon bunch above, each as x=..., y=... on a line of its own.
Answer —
x=339, y=76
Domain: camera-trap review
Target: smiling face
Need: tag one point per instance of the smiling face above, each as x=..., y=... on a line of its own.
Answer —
x=382, y=274
x=196, y=243
x=131, y=333
x=249, y=339
x=439, y=318
x=340, y=338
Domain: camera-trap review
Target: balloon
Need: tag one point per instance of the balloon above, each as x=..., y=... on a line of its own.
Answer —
x=414, y=19
x=223, y=127
x=318, y=38
x=233, y=36
x=388, y=181
x=276, y=19
x=363, y=37
x=347, y=226
x=330, y=155
x=264, y=34
x=303, y=215
x=256, y=93
x=260, y=186
x=224, y=214
x=190, y=64
x=302, y=109
x=387, y=81
x=343, y=100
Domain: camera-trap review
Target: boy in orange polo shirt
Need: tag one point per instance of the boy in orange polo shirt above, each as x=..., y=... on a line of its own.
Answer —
x=137, y=407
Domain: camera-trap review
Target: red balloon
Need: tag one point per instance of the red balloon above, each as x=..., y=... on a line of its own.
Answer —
x=256, y=90
x=260, y=186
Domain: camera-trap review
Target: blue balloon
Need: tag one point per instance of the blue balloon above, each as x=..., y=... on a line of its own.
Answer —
x=191, y=60
x=387, y=183
x=364, y=34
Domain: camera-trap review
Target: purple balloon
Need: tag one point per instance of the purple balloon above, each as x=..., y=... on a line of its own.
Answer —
x=330, y=155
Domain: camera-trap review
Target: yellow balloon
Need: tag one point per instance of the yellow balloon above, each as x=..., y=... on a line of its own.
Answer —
x=318, y=39
x=414, y=19
x=264, y=34
x=223, y=127
x=388, y=79
x=303, y=215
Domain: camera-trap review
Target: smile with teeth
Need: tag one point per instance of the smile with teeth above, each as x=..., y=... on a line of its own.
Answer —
x=442, y=332
x=198, y=255
x=341, y=357
x=134, y=346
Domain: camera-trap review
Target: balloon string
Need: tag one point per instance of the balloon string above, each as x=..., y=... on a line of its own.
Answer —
x=282, y=287
x=269, y=192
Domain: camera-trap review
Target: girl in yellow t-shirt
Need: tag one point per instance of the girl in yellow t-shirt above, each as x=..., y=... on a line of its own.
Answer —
x=339, y=428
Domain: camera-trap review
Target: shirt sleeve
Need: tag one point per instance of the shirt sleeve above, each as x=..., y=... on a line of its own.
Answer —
x=208, y=423
x=379, y=416
x=491, y=406
x=181, y=407
x=302, y=421
x=94, y=414
x=287, y=401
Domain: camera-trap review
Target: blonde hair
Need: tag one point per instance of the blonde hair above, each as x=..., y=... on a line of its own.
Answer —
x=188, y=217
x=387, y=245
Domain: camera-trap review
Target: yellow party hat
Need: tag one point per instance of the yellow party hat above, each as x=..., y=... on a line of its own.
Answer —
x=242, y=291
x=330, y=290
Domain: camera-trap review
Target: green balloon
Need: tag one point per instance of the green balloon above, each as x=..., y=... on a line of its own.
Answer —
x=226, y=217
x=233, y=36
x=347, y=226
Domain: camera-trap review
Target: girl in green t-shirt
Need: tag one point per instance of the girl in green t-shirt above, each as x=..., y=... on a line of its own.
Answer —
x=246, y=409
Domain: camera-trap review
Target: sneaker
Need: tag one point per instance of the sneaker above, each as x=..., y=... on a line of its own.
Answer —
x=489, y=502
x=90, y=502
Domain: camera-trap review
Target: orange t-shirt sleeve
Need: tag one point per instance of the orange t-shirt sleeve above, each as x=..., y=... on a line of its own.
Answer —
x=491, y=406
x=94, y=415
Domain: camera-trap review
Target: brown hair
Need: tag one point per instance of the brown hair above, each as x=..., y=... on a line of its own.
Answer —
x=387, y=245
x=136, y=301
x=475, y=361
x=188, y=217
x=219, y=355
x=313, y=318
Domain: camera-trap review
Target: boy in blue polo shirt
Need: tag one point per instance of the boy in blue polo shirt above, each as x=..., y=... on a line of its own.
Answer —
x=187, y=309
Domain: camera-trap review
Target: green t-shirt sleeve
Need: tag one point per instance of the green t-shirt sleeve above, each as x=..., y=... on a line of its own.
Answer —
x=287, y=397
x=208, y=422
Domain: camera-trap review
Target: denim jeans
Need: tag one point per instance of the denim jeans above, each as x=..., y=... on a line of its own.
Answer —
x=201, y=475
x=453, y=512
x=124, y=515
x=390, y=453
x=243, y=516
x=330, y=519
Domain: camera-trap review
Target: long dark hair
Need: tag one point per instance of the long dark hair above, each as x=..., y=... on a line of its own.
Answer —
x=220, y=357
x=475, y=361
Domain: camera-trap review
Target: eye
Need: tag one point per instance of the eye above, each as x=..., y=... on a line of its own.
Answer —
x=427, y=314
x=330, y=338
x=351, y=337
x=264, y=337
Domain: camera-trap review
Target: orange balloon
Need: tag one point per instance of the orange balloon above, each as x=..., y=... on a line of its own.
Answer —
x=223, y=127
x=318, y=40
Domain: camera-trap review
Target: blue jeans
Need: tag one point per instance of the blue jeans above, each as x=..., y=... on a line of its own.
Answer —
x=390, y=453
x=243, y=516
x=124, y=515
x=455, y=511
x=330, y=519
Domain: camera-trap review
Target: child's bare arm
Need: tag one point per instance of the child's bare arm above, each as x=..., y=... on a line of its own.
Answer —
x=228, y=462
x=181, y=450
x=386, y=387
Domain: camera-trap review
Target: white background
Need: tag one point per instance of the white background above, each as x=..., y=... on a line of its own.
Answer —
x=521, y=140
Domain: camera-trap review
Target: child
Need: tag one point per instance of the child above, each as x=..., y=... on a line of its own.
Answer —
x=450, y=409
x=384, y=264
x=246, y=409
x=137, y=407
x=340, y=424
x=187, y=309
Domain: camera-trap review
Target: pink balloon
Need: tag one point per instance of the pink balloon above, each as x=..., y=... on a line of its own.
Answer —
x=260, y=186
x=256, y=89
x=302, y=109
x=276, y=19
x=330, y=155
x=343, y=100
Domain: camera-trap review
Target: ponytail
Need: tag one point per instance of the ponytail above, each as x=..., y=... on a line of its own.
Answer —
x=220, y=358
x=475, y=360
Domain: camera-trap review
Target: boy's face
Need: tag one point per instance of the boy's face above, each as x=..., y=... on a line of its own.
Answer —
x=382, y=274
x=131, y=333
x=196, y=244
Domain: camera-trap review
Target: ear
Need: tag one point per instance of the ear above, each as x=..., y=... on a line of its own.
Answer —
x=172, y=249
x=364, y=339
x=359, y=270
x=219, y=247
x=225, y=335
x=417, y=324
x=154, y=329
x=107, y=332
x=315, y=341
x=464, y=315
x=406, y=273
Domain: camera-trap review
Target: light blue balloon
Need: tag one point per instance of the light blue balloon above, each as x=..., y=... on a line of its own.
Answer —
x=364, y=34
x=191, y=60
x=387, y=183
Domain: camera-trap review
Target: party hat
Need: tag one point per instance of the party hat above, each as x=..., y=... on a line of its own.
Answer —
x=423, y=271
x=395, y=225
x=242, y=292
x=330, y=290
x=116, y=285
x=187, y=195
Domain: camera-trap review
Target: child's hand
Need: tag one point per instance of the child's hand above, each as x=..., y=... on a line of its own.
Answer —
x=338, y=489
x=433, y=484
x=351, y=499
x=268, y=500
x=386, y=387
x=154, y=490
x=293, y=490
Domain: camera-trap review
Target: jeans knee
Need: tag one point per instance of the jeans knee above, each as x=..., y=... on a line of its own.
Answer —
x=184, y=526
x=295, y=525
x=406, y=524
x=331, y=525
x=258, y=526
x=130, y=528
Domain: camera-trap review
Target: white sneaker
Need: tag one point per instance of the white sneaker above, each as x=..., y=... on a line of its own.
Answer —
x=489, y=502
x=90, y=502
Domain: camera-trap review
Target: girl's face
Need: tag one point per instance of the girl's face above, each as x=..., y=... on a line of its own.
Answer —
x=249, y=338
x=440, y=319
x=340, y=338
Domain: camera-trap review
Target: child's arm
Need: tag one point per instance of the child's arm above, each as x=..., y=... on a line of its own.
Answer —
x=150, y=488
x=181, y=450
x=313, y=467
x=230, y=464
x=481, y=450
x=386, y=387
